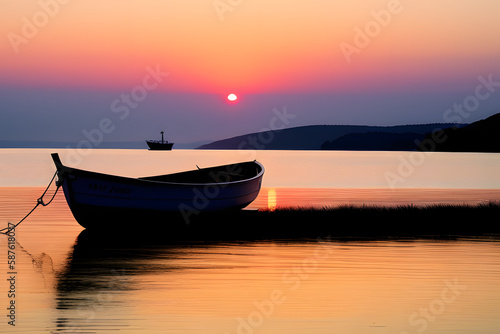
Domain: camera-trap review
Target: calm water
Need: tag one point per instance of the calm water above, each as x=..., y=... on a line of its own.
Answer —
x=292, y=177
x=69, y=281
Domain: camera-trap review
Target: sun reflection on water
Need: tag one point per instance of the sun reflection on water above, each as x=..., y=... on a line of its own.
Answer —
x=271, y=199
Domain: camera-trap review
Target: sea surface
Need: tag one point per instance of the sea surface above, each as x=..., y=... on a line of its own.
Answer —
x=56, y=277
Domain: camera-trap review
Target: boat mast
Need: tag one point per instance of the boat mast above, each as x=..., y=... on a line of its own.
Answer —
x=162, y=137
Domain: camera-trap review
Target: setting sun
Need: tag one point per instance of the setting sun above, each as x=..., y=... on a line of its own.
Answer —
x=232, y=97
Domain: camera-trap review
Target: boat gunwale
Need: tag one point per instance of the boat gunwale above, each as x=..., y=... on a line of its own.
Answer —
x=144, y=179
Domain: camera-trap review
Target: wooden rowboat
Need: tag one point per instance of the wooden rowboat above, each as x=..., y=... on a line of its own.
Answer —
x=101, y=200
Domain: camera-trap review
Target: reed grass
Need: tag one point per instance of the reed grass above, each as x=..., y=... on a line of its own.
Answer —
x=437, y=221
x=356, y=221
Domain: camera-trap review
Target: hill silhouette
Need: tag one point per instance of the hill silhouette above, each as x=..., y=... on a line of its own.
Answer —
x=313, y=137
x=480, y=136
x=376, y=141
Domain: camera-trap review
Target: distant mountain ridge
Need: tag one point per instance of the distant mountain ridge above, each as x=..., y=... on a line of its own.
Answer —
x=480, y=136
x=312, y=137
x=376, y=141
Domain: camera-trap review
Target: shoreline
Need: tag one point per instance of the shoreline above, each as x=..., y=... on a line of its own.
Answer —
x=439, y=220
x=341, y=221
x=345, y=222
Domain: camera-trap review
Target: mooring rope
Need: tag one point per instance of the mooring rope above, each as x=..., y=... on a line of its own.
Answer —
x=39, y=201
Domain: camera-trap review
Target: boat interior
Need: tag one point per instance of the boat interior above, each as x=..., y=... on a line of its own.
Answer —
x=220, y=174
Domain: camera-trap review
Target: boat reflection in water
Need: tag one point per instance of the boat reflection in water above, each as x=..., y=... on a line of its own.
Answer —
x=140, y=284
x=91, y=286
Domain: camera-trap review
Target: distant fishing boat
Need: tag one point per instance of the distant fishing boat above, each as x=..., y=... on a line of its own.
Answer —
x=164, y=145
x=101, y=200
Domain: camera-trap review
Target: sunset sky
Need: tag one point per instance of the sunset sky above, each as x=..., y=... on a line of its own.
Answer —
x=169, y=65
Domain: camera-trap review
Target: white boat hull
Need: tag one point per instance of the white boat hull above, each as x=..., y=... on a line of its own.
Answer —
x=95, y=198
